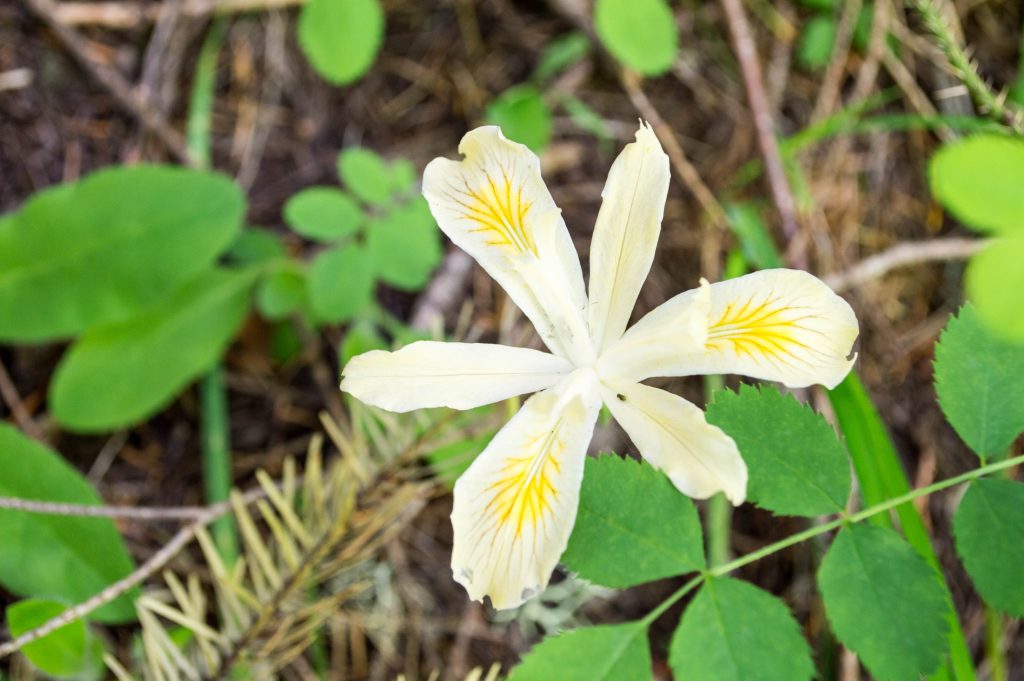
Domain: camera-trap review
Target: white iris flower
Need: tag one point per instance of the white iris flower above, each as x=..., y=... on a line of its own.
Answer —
x=515, y=507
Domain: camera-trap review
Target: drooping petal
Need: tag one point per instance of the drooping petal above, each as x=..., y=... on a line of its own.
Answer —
x=626, y=234
x=516, y=504
x=674, y=437
x=777, y=325
x=494, y=205
x=457, y=375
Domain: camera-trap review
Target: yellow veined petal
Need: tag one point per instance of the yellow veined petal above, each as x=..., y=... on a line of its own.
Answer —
x=494, y=205
x=673, y=436
x=458, y=375
x=516, y=504
x=626, y=234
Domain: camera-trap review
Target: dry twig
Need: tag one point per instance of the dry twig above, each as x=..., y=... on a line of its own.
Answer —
x=901, y=255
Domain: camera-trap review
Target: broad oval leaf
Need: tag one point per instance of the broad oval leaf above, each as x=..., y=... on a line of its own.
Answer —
x=122, y=373
x=522, y=115
x=281, y=293
x=340, y=283
x=642, y=34
x=994, y=280
x=978, y=382
x=341, y=39
x=405, y=245
x=64, y=558
x=989, y=531
x=368, y=176
x=68, y=652
x=610, y=652
x=322, y=213
x=632, y=526
x=979, y=180
x=797, y=465
x=101, y=249
x=734, y=631
x=884, y=602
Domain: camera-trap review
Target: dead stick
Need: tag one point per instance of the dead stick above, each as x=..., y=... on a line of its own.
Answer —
x=901, y=255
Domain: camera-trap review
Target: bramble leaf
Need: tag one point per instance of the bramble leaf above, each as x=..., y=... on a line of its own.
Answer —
x=994, y=279
x=610, y=652
x=341, y=39
x=979, y=180
x=633, y=525
x=989, y=531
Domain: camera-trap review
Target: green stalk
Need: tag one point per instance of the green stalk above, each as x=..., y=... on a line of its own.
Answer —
x=719, y=510
x=213, y=395
x=994, y=644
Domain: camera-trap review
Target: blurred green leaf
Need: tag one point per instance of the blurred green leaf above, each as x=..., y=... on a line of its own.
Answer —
x=67, y=558
x=323, y=213
x=403, y=176
x=822, y=5
x=633, y=526
x=989, y=530
x=994, y=280
x=405, y=245
x=522, y=115
x=68, y=652
x=366, y=174
x=979, y=180
x=757, y=244
x=101, y=249
x=341, y=38
x=797, y=465
x=361, y=337
x=642, y=34
x=978, y=382
x=585, y=118
x=285, y=341
x=450, y=461
x=560, y=54
x=862, y=29
x=281, y=293
x=884, y=602
x=733, y=631
x=142, y=363
x=610, y=652
x=817, y=39
x=340, y=283
x=256, y=245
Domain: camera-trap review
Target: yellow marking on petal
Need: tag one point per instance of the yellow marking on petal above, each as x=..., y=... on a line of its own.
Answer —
x=524, y=493
x=499, y=210
x=769, y=328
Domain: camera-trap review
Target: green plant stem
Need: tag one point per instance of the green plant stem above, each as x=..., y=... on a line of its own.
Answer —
x=719, y=510
x=671, y=600
x=994, y=644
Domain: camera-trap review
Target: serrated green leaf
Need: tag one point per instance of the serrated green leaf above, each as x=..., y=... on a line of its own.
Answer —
x=733, y=631
x=561, y=53
x=632, y=526
x=256, y=245
x=989, y=531
x=522, y=115
x=642, y=34
x=796, y=464
x=979, y=180
x=341, y=39
x=405, y=245
x=757, y=244
x=978, y=382
x=101, y=249
x=994, y=279
x=610, y=652
x=340, y=283
x=322, y=213
x=64, y=558
x=366, y=174
x=817, y=39
x=281, y=293
x=68, y=652
x=119, y=374
x=884, y=602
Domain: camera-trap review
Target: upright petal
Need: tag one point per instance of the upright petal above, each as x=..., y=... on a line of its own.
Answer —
x=494, y=205
x=674, y=437
x=457, y=375
x=516, y=505
x=626, y=234
x=777, y=325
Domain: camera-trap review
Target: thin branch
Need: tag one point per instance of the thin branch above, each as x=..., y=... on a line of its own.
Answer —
x=901, y=255
x=9, y=393
x=116, y=14
x=746, y=55
x=192, y=513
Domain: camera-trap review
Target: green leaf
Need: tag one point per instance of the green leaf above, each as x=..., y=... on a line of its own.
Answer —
x=101, y=249
x=641, y=34
x=757, y=244
x=585, y=118
x=733, y=631
x=522, y=115
x=403, y=176
x=340, y=283
x=405, y=245
x=978, y=382
x=884, y=602
x=68, y=652
x=816, y=43
x=256, y=245
x=281, y=293
x=994, y=279
x=797, y=465
x=366, y=175
x=610, y=652
x=633, y=525
x=322, y=213
x=560, y=54
x=989, y=531
x=341, y=38
x=122, y=373
x=361, y=337
x=979, y=180
x=65, y=558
